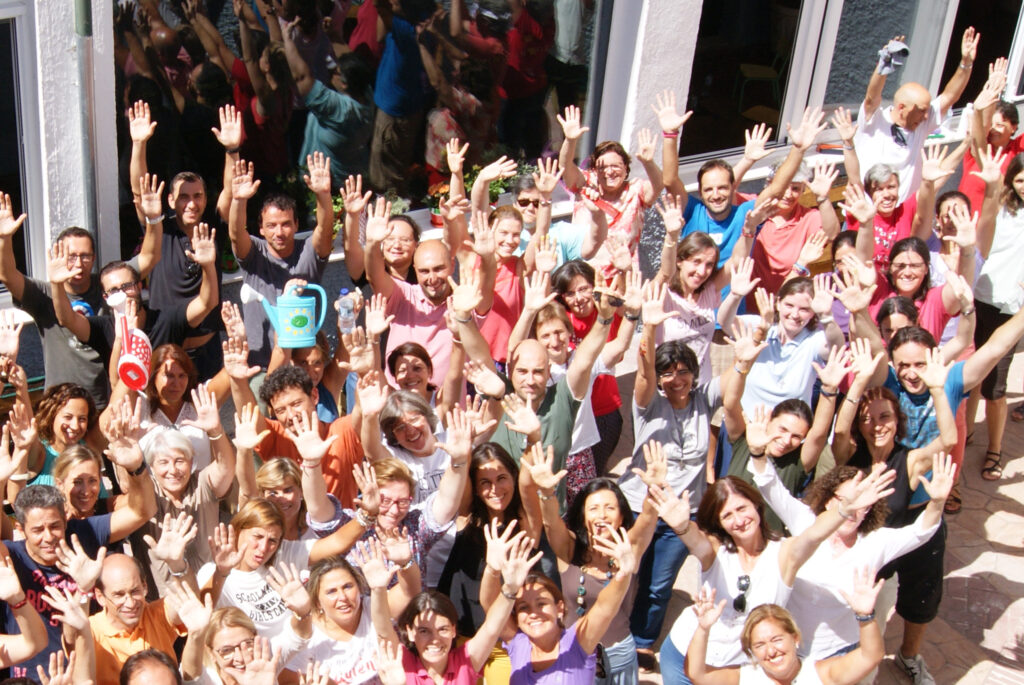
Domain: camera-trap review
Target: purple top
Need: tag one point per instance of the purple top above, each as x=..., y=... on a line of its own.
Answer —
x=573, y=666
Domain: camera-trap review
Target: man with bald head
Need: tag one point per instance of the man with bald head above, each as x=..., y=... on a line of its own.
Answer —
x=128, y=623
x=419, y=310
x=556, y=405
x=895, y=135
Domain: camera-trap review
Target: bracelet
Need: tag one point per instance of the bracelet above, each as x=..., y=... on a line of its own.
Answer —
x=139, y=471
x=456, y=341
x=545, y=203
x=821, y=199
x=605, y=322
x=511, y=596
x=19, y=477
x=364, y=519
x=218, y=436
x=544, y=497
x=304, y=617
x=801, y=269
x=852, y=400
x=966, y=66
x=967, y=312
x=179, y=574
x=407, y=565
x=737, y=369
x=670, y=134
x=756, y=456
x=685, y=530
x=748, y=234
x=847, y=146
x=826, y=393
x=848, y=516
x=632, y=317
x=457, y=465
x=864, y=618
x=466, y=320
x=155, y=220
x=827, y=318
x=232, y=150
x=492, y=570
x=23, y=602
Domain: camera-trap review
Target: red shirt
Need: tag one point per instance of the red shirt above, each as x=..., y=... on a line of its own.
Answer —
x=605, y=396
x=889, y=230
x=972, y=186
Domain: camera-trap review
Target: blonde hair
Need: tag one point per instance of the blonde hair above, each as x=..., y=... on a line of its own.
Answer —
x=228, y=617
x=392, y=470
x=72, y=456
x=259, y=513
x=280, y=472
x=767, y=612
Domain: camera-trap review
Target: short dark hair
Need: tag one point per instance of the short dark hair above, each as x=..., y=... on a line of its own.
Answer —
x=356, y=73
x=710, y=509
x=186, y=177
x=897, y=304
x=136, y=661
x=844, y=238
x=712, y=164
x=427, y=601
x=952, y=195
x=1008, y=110
x=284, y=378
x=286, y=203
x=406, y=219
x=37, y=497
x=794, y=407
x=77, y=232
x=574, y=519
x=118, y=265
x=911, y=334
x=607, y=146
x=561, y=278
x=673, y=352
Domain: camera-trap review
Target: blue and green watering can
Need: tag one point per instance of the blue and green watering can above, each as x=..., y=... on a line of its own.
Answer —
x=294, y=316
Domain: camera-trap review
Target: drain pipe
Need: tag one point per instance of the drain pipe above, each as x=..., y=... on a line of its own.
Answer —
x=84, y=46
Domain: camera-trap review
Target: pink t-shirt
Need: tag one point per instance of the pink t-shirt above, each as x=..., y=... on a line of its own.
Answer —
x=931, y=311
x=508, y=305
x=778, y=245
x=459, y=671
x=625, y=216
x=889, y=230
x=419, y=320
x=972, y=186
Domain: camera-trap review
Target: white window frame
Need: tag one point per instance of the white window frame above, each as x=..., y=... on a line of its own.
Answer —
x=22, y=15
x=1015, y=69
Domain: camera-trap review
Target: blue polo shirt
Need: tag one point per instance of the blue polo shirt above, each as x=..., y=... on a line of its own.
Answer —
x=725, y=233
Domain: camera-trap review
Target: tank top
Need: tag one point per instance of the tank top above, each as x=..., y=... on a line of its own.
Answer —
x=618, y=629
x=900, y=513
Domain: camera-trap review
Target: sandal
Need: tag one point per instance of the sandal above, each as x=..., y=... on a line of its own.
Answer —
x=953, y=503
x=1017, y=413
x=993, y=468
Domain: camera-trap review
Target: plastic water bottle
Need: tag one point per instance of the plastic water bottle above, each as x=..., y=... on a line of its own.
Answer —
x=346, y=312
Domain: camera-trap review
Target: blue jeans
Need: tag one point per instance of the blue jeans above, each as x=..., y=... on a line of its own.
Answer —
x=658, y=570
x=673, y=664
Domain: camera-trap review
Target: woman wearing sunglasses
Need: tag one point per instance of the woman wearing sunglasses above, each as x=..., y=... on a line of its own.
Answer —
x=743, y=560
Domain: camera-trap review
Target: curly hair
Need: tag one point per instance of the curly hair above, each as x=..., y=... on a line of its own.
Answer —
x=823, y=489
x=54, y=399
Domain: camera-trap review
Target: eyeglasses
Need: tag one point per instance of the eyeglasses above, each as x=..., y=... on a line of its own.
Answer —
x=526, y=202
x=82, y=257
x=119, y=598
x=900, y=266
x=607, y=168
x=669, y=375
x=228, y=651
x=403, y=503
x=123, y=288
x=400, y=240
x=739, y=604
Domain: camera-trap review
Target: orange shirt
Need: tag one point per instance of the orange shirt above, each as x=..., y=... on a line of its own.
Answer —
x=344, y=453
x=114, y=646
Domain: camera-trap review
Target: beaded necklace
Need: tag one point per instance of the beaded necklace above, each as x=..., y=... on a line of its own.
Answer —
x=581, y=591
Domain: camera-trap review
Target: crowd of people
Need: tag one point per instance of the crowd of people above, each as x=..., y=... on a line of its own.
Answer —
x=433, y=500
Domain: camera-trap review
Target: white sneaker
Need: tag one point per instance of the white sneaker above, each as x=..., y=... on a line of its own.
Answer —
x=915, y=668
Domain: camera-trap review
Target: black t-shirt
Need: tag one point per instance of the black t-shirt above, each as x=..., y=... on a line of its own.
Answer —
x=176, y=278
x=900, y=513
x=163, y=326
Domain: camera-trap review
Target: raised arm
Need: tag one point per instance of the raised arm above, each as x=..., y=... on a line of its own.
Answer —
x=373, y=394
x=538, y=463
x=32, y=638
x=985, y=103
x=857, y=664
x=842, y=120
x=671, y=123
x=376, y=231
x=355, y=202
x=318, y=180
x=863, y=366
x=243, y=187
x=460, y=446
x=301, y=73
x=873, y=96
x=858, y=204
x=645, y=146
x=1002, y=340
x=229, y=135
x=12, y=279
x=955, y=88
x=60, y=272
x=933, y=175
x=802, y=138
x=671, y=210
x=573, y=129
x=222, y=468
x=124, y=452
x=654, y=315
x=733, y=381
x=991, y=173
x=582, y=364
x=345, y=537
x=675, y=512
x=755, y=141
x=832, y=374
x=245, y=441
x=312, y=448
x=592, y=627
x=204, y=253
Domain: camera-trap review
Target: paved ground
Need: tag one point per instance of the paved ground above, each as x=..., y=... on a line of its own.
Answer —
x=978, y=638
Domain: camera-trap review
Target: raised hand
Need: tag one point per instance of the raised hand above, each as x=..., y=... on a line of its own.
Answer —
x=10, y=465
x=459, y=440
x=484, y=379
x=377, y=228
x=373, y=393
x=657, y=464
x=757, y=429
x=232, y=318
x=124, y=432
x=456, y=155
x=361, y=355
x=992, y=91
x=243, y=186
x=452, y=209
x=966, y=225
x=10, y=334
x=58, y=268
x=755, y=142
x=871, y=488
x=468, y=295
x=571, y=123
x=931, y=168
x=863, y=363
x=373, y=564
x=366, y=480
x=8, y=224
x=499, y=543
x=645, y=145
x=304, y=432
x=962, y=290
x=745, y=346
x=855, y=284
x=22, y=426
x=760, y=213
x=541, y=468
x=236, y=358
x=377, y=319
x=318, y=179
x=708, y=612
x=825, y=174
x=518, y=562
x=230, y=132
x=671, y=210
x=140, y=125
x=811, y=124
x=654, y=304
x=765, y=302
x=73, y=561
x=175, y=535
x=193, y=612
x=547, y=175
x=665, y=109
x=246, y=437
x=537, y=291
x=287, y=583
x=865, y=591
x=935, y=371
x=484, y=242
x=503, y=167
x=546, y=256
x=813, y=249
x=262, y=667
x=943, y=477
x=10, y=587
x=396, y=544
x=68, y=607
x=821, y=301
x=389, y=663
x=617, y=546
x=857, y=203
x=204, y=246
x=224, y=545
x=151, y=196
x=673, y=510
x=59, y=673
x=969, y=45
x=313, y=674
x=836, y=368
x=842, y=121
x=355, y=200
x=991, y=165
x=207, y=415
x=742, y=281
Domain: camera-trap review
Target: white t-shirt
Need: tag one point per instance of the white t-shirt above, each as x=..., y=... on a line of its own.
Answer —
x=427, y=471
x=1004, y=269
x=875, y=145
x=695, y=326
x=584, y=431
x=287, y=641
x=353, y=661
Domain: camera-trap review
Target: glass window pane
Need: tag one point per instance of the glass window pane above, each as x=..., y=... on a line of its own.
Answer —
x=11, y=161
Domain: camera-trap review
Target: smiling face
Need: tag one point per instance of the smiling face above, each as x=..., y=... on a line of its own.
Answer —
x=909, y=361
x=44, y=529
x=413, y=433
x=170, y=382
x=739, y=518
x=908, y=270
x=1001, y=132
x=1018, y=185
x=278, y=227
x=527, y=202
x=892, y=323
x=775, y=649
x=676, y=383
x=795, y=313
x=554, y=336
x=412, y=374
x=494, y=485
x=312, y=361
x=172, y=470
x=123, y=281
x=123, y=596
x=259, y=545
x=579, y=298
x=228, y=645
x=716, y=192
x=506, y=236
x=287, y=497
x=71, y=423
x=189, y=201
x=432, y=634
x=611, y=172
x=291, y=403
x=601, y=512
x=696, y=269
x=530, y=371
x=395, y=500
x=433, y=267
x=339, y=598
x=790, y=198
x=878, y=423
x=537, y=612
x=886, y=195
x=81, y=486
x=785, y=433
x=400, y=245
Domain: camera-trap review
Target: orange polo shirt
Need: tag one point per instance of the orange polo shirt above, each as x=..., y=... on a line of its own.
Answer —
x=114, y=646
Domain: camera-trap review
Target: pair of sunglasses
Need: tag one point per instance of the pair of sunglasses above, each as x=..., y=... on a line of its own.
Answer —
x=739, y=604
x=612, y=299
